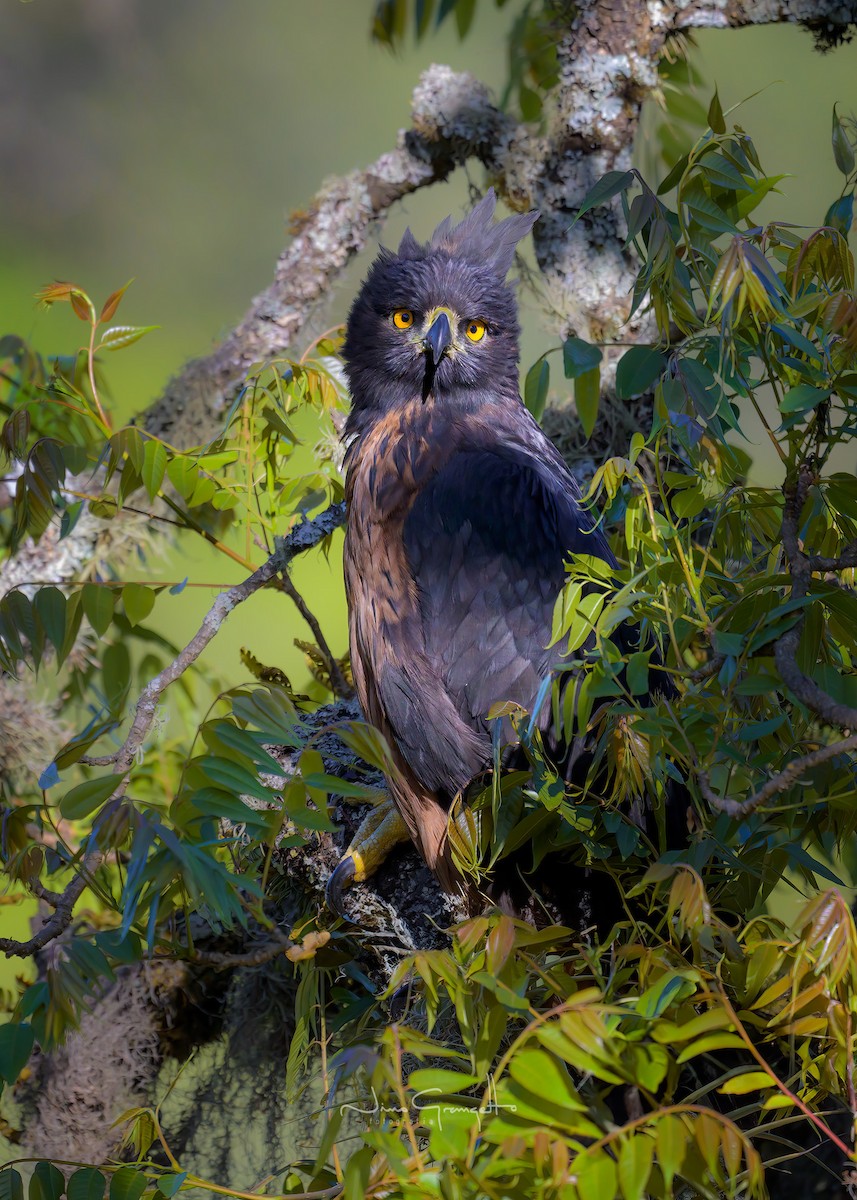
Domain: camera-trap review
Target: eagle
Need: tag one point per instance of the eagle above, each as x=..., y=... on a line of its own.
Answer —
x=461, y=516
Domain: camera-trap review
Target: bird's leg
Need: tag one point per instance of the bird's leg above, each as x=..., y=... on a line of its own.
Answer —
x=378, y=834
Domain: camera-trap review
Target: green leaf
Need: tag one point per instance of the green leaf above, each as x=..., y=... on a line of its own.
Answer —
x=440, y=1081
x=183, y=474
x=843, y=151
x=666, y=991
x=232, y=776
x=637, y=673
x=50, y=603
x=803, y=398
x=595, y=1175
x=671, y=1138
x=714, y=1041
x=104, y=506
x=749, y=1081
x=168, y=1185
x=86, y=797
x=674, y=176
x=98, y=604
x=127, y=1184
x=605, y=189
x=638, y=369
x=635, y=1165
x=715, y=115
x=840, y=215
x=704, y=210
x=587, y=395
x=543, y=1075
x=138, y=601
x=579, y=356
x=121, y=336
x=11, y=1184
x=536, y=387
x=530, y=102
x=86, y=1184
x=16, y=1044
x=46, y=1182
x=154, y=466
x=464, y=12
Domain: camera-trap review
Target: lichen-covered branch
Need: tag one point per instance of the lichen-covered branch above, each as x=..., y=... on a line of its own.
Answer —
x=453, y=119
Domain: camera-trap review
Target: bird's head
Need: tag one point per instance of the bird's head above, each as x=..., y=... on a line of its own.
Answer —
x=439, y=319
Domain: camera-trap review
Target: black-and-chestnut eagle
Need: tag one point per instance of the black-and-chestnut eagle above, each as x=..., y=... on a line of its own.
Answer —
x=461, y=518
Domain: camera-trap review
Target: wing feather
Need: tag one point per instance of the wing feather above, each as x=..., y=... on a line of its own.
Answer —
x=486, y=540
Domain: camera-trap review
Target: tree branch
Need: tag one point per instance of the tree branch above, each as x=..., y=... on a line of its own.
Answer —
x=453, y=119
x=779, y=783
x=61, y=918
x=337, y=679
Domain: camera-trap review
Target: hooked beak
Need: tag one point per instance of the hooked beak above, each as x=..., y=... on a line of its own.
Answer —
x=438, y=338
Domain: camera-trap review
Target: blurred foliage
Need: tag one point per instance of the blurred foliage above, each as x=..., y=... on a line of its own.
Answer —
x=699, y=1032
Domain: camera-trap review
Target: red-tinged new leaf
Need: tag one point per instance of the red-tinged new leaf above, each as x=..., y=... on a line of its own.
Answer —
x=708, y=1132
x=54, y=292
x=828, y=931
x=112, y=302
x=82, y=306
x=501, y=941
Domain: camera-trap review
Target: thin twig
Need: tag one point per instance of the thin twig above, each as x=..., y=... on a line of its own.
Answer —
x=778, y=783
x=707, y=669
x=303, y=537
x=337, y=679
x=61, y=918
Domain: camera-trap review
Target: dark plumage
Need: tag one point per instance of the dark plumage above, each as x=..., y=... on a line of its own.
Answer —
x=461, y=514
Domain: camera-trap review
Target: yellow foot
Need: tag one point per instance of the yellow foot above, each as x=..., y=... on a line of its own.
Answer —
x=378, y=834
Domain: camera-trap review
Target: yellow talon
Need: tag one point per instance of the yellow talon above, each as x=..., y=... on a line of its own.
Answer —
x=378, y=834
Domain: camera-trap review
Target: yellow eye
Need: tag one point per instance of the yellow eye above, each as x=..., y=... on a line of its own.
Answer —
x=403, y=318
x=475, y=330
